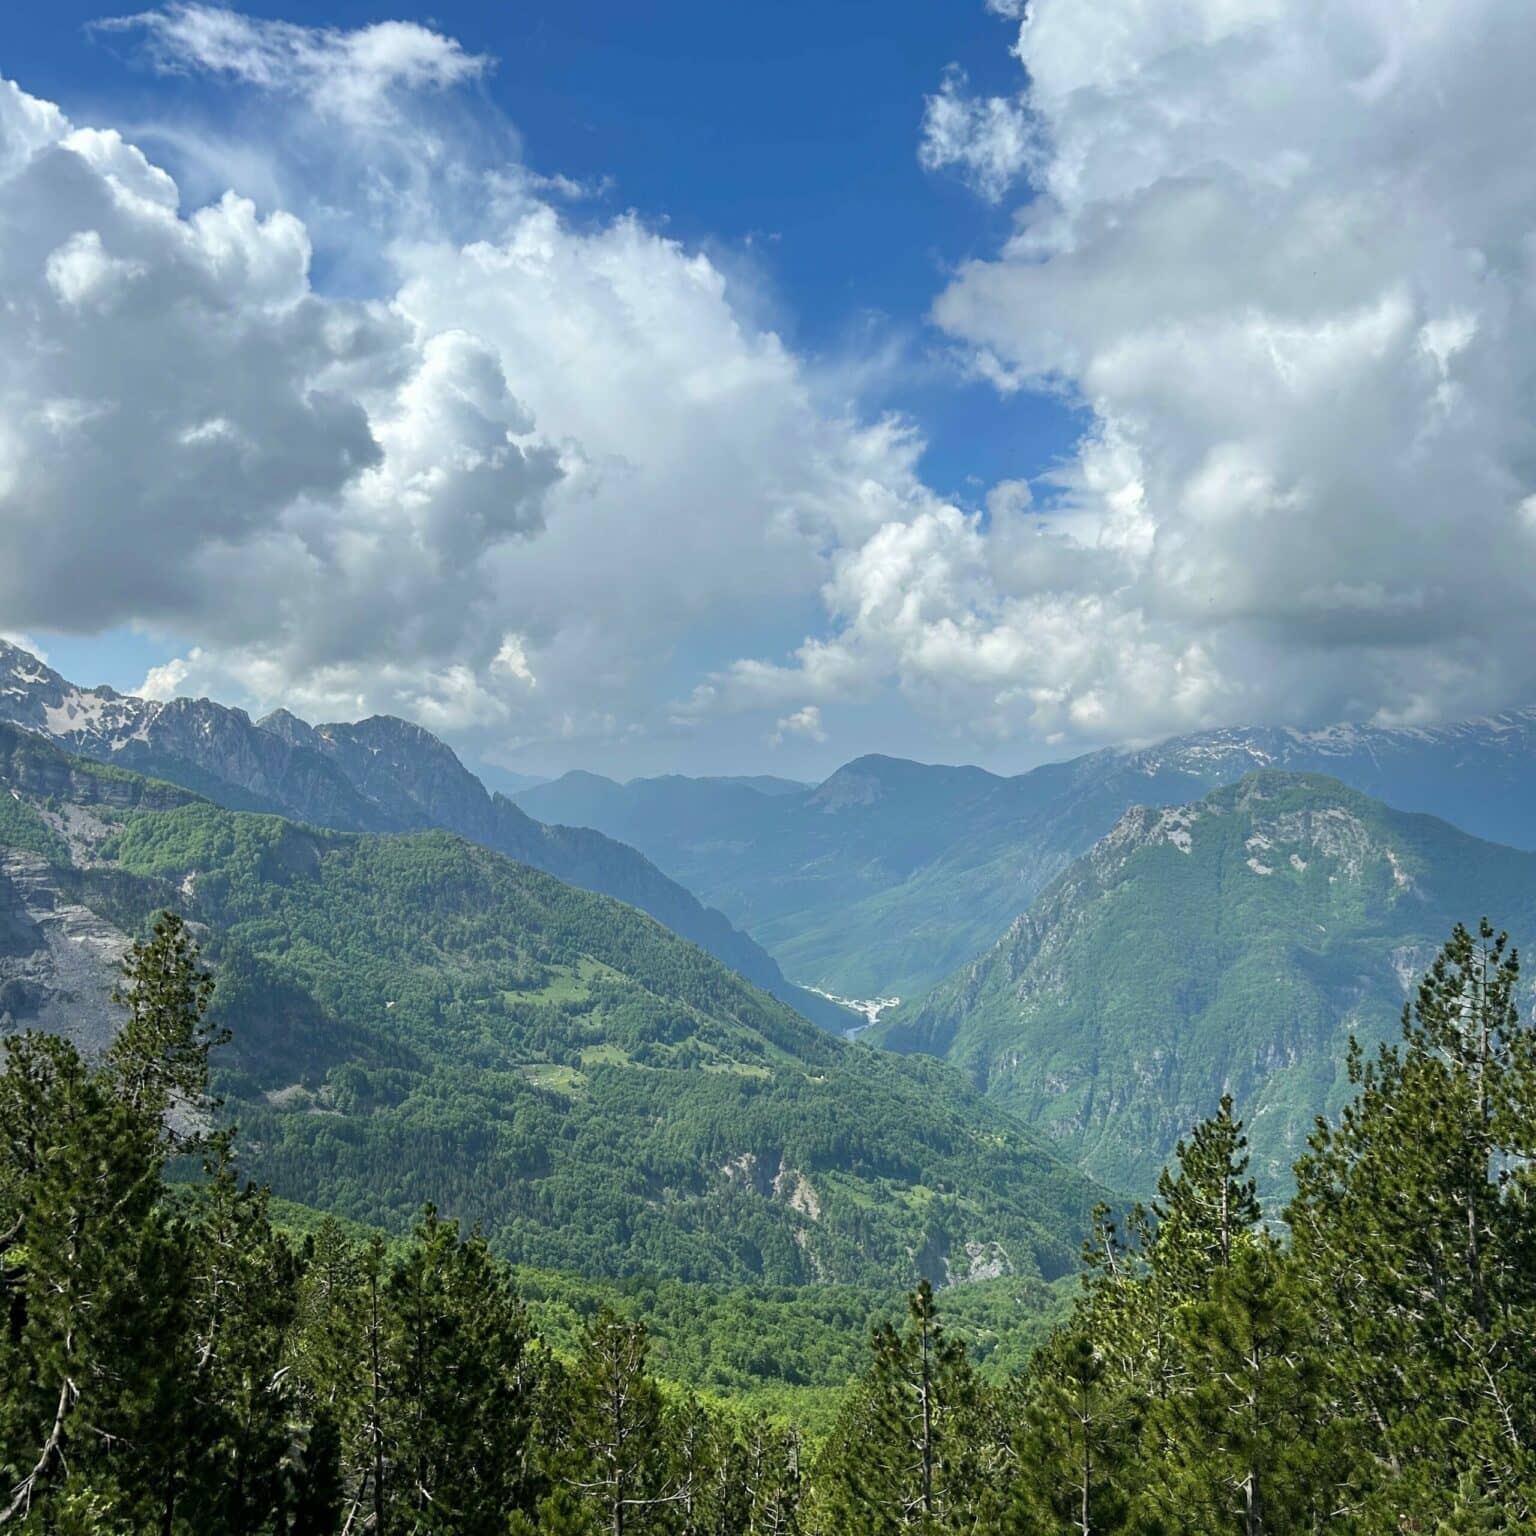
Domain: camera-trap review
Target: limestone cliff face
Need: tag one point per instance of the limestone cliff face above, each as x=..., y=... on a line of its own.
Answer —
x=59, y=959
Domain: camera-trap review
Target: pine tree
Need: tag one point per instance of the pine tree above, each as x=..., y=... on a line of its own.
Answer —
x=376, y=1485
x=613, y=1451
x=919, y=1447
x=1203, y=1205
x=159, y=1058
x=328, y=1357
x=95, y=1270
x=248, y=1459
x=1078, y=1438
x=1245, y=1446
x=708, y=1470
x=1077, y=1411
x=166, y=1335
x=1104, y=1401
x=459, y=1393
x=1413, y=1222
x=771, y=1477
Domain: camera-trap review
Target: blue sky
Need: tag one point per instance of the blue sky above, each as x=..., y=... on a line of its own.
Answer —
x=700, y=388
x=786, y=140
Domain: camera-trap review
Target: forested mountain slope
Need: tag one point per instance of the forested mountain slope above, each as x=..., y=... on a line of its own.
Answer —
x=890, y=874
x=839, y=880
x=378, y=775
x=1233, y=944
x=416, y=1017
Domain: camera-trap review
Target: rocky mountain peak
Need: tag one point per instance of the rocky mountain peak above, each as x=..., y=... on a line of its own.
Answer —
x=1233, y=943
x=854, y=784
x=21, y=669
x=1233, y=750
x=394, y=759
x=392, y=736
x=287, y=725
x=33, y=695
x=1282, y=820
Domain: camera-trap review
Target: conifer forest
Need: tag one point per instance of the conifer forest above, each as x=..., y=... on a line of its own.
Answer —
x=175, y=1360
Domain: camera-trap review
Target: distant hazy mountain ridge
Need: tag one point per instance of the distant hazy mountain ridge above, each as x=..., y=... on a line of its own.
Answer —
x=890, y=874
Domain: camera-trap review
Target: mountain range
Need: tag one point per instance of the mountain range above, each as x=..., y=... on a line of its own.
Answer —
x=379, y=775
x=414, y=1017
x=890, y=874
x=1097, y=949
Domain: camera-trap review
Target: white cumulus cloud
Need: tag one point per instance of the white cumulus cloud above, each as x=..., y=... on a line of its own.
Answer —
x=987, y=139
x=1285, y=258
x=805, y=722
x=528, y=490
x=165, y=681
x=193, y=436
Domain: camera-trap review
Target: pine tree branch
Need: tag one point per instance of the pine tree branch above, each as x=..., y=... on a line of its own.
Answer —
x=21, y=1501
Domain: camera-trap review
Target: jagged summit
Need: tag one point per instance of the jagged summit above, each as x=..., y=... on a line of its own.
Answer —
x=284, y=723
x=1511, y=731
x=34, y=695
x=383, y=729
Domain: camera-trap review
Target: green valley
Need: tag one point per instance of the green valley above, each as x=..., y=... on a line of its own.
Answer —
x=417, y=1018
x=892, y=874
